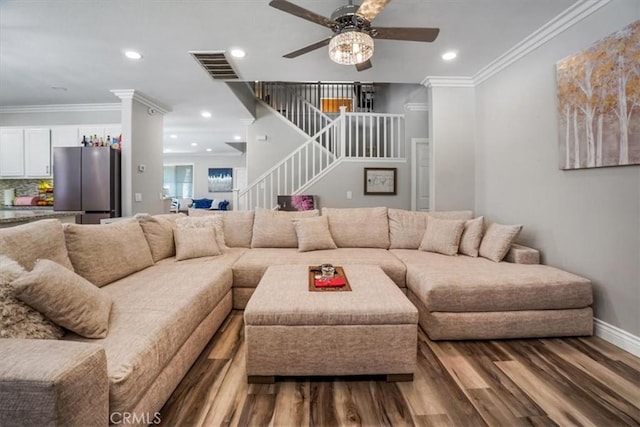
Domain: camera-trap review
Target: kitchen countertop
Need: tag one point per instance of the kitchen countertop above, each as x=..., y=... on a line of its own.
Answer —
x=22, y=215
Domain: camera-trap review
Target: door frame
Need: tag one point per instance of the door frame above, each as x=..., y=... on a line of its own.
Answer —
x=414, y=173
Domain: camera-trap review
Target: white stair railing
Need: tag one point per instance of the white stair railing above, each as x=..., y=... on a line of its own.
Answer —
x=293, y=173
x=374, y=136
x=361, y=136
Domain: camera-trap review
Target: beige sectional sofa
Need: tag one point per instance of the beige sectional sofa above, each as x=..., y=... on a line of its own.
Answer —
x=165, y=311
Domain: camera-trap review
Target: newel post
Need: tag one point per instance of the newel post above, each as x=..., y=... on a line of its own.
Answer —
x=343, y=131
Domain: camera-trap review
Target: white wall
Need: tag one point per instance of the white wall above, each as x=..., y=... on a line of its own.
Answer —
x=452, y=147
x=585, y=221
x=282, y=139
x=146, y=149
x=201, y=165
x=349, y=176
x=60, y=118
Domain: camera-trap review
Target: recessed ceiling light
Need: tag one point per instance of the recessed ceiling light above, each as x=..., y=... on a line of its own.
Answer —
x=209, y=149
x=132, y=54
x=205, y=114
x=173, y=136
x=237, y=137
x=238, y=53
x=448, y=56
x=194, y=144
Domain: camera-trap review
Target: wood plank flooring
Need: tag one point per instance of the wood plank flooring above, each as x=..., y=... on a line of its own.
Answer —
x=538, y=382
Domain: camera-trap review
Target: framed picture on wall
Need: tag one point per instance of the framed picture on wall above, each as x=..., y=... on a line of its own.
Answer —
x=380, y=181
x=220, y=180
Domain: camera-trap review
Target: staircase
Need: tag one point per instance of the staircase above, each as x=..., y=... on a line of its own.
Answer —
x=334, y=137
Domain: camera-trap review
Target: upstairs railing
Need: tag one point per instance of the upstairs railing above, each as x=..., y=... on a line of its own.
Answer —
x=356, y=136
x=288, y=100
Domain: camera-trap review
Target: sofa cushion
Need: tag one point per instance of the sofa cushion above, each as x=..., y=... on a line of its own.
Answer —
x=274, y=229
x=442, y=236
x=216, y=222
x=30, y=242
x=195, y=242
x=238, y=226
x=359, y=227
x=154, y=312
x=497, y=241
x=104, y=253
x=313, y=234
x=406, y=228
x=17, y=319
x=65, y=298
x=466, y=284
x=250, y=267
x=471, y=237
x=158, y=230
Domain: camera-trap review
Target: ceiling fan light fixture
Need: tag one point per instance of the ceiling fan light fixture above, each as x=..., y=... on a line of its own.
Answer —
x=351, y=47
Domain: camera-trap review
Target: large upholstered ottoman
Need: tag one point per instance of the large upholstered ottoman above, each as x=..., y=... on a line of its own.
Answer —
x=291, y=331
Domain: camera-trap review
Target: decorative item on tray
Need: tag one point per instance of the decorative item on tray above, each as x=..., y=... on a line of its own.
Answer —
x=327, y=277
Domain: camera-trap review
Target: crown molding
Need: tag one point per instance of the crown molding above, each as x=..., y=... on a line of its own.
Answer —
x=143, y=99
x=444, y=81
x=571, y=16
x=203, y=154
x=60, y=108
x=416, y=106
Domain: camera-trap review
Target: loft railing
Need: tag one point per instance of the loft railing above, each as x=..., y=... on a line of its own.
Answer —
x=357, y=136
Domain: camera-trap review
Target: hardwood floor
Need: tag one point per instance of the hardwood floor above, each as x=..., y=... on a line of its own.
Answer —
x=538, y=382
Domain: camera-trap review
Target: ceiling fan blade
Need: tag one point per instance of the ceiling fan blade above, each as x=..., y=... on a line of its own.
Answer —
x=303, y=13
x=364, y=65
x=407, y=33
x=369, y=9
x=307, y=49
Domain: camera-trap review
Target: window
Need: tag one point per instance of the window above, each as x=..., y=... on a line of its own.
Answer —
x=178, y=181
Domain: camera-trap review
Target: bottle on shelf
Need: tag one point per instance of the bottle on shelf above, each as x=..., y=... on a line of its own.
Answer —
x=85, y=143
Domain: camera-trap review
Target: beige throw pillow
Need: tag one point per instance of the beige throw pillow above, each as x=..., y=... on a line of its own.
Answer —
x=213, y=221
x=195, y=242
x=471, y=237
x=159, y=234
x=67, y=299
x=274, y=229
x=107, y=252
x=442, y=236
x=497, y=241
x=17, y=319
x=35, y=240
x=313, y=234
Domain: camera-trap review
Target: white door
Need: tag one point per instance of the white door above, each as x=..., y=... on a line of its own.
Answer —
x=420, y=174
x=37, y=152
x=11, y=152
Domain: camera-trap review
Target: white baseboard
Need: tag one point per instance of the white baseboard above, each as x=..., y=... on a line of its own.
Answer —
x=617, y=336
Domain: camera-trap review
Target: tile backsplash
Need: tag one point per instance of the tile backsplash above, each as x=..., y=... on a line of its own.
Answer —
x=24, y=187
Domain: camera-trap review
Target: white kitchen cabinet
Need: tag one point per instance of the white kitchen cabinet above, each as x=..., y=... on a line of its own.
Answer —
x=64, y=136
x=37, y=152
x=11, y=152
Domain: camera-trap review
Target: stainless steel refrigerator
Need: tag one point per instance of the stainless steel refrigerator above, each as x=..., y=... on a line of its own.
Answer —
x=87, y=179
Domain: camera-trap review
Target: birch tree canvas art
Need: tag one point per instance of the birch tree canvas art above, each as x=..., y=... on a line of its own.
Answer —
x=599, y=103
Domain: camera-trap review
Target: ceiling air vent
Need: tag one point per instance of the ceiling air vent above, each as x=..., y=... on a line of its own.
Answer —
x=216, y=65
